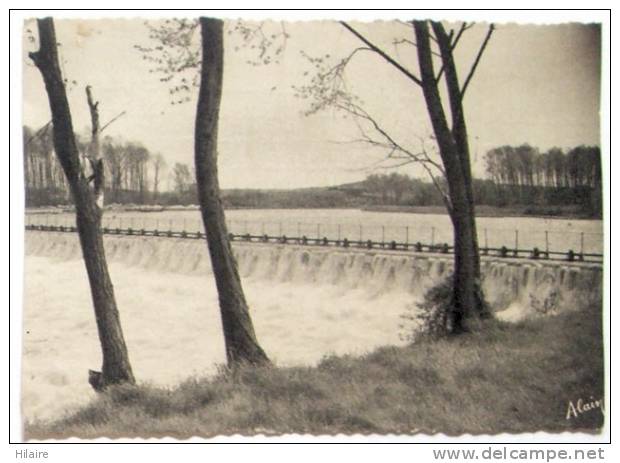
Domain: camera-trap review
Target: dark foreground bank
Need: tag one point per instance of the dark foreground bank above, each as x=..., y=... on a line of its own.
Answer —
x=541, y=374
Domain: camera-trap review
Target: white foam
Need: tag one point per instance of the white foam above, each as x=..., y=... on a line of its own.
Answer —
x=305, y=303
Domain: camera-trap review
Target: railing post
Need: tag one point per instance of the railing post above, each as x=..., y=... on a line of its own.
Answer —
x=503, y=252
x=382, y=235
x=361, y=233
x=581, y=247
x=486, y=239
x=407, y=236
x=432, y=236
x=547, y=242
x=516, y=242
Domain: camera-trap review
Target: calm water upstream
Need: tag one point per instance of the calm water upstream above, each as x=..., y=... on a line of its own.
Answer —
x=525, y=232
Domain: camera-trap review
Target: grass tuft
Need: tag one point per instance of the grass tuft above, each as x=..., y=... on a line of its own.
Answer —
x=501, y=378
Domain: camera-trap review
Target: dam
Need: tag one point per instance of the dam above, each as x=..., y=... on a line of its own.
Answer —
x=307, y=302
x=505, y=281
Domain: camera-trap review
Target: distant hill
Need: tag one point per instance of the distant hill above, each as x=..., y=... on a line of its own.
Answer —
x=389, y=193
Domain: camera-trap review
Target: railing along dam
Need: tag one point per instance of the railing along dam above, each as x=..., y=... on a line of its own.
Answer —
x=375, y=271
x=503, y=251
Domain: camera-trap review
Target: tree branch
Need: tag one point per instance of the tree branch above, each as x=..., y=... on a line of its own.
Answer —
x=383, y=54
x=119, y=115
x=463, y=28
x=477, y=60
x=390, y=143
x=444, y=195
x=39, y=133
x=453, y=45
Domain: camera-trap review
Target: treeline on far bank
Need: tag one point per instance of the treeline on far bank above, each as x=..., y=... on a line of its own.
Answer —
x=520, y=178
x=412, y=193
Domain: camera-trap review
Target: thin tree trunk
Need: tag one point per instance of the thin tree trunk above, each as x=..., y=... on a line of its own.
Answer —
x=156, y=183
x=49, y=184
x=239, y=336
x=116, y=367
x=96, y=160
x=465, y=300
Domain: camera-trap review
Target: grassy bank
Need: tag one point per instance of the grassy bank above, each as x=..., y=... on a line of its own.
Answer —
x=504, y=378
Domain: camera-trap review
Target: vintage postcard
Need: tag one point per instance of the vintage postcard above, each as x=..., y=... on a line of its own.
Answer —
x=338, y=226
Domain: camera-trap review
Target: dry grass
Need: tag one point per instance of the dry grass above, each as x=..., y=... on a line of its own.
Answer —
x=503, y=378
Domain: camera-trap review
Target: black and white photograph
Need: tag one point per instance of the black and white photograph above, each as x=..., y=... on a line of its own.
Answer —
x=342, y=226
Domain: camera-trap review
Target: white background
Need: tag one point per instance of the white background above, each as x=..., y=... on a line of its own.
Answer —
x=69, y=452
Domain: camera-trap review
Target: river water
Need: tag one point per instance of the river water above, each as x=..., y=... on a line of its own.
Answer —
x=306, y=303
x=521, y=232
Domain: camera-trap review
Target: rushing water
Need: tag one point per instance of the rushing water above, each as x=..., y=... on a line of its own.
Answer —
x=306, y=302
x=521, y=232
x=505, y=281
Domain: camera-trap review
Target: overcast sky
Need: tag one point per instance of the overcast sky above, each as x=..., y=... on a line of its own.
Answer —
x=535, y=84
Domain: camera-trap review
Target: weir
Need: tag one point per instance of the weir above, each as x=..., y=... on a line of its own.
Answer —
x=517, y=285
x=534, y=253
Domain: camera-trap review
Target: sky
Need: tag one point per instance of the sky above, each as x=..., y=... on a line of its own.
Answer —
x=535, y=84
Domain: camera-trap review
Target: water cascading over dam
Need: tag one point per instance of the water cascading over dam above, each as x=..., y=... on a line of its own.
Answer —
x=306, y=302
x=516, y=287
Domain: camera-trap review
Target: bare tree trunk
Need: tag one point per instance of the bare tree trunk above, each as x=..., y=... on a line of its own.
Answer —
x=459, y=133
x=95, y=158
x=241, y=343
x=49, y=183
x=465, y=301
x=116, y=367
x=156, y=182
